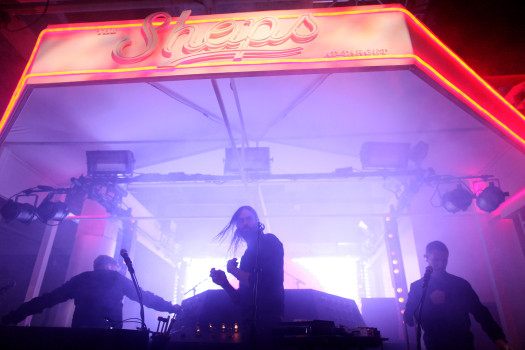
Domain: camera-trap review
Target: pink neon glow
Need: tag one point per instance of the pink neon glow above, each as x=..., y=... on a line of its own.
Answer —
x=460, y=61
x=467, y=99
x=509, y=201
x=21, y=84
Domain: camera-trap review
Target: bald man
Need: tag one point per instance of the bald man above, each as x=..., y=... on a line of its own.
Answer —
x=98, y=296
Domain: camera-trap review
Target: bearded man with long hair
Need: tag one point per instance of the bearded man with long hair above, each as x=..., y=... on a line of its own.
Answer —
x=260, y=273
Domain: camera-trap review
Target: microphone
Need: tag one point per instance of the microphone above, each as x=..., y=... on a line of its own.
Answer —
x=127, y=260
x=426, y=276
x=260, y=227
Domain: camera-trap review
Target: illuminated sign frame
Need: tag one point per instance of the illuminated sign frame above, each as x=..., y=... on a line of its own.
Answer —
x=429, y=55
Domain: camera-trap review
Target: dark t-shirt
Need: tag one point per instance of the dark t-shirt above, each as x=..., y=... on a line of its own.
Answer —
x=270, y=294
x=98, y=299
x=447, y=325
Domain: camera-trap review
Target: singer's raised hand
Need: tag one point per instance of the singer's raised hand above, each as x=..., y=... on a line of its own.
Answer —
x=502, y=345
x=231, y=266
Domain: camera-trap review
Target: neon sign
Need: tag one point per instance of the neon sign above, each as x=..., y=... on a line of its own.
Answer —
x=355, y=38
x=229, y=39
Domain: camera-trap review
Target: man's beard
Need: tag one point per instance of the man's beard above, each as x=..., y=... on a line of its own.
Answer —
x=248, y=233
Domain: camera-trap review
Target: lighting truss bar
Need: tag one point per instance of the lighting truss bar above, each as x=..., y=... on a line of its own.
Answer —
x=344, y=173
x=338, y=174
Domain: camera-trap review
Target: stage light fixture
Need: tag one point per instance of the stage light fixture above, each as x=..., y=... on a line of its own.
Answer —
x=458, y=199
x=52, y=211
x=110, y=163
x=256, y=160
x=384, y=155
x=490, y=198
x=23, y=212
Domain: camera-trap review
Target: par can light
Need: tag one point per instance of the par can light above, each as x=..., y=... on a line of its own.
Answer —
x=490, y=198
x=458, y=199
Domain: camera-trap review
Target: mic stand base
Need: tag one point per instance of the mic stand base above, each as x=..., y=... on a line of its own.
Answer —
x=139, y=294
x=418, y=320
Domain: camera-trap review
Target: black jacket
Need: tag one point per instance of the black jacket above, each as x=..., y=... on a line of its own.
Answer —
x=98, y=297
x=447, y=325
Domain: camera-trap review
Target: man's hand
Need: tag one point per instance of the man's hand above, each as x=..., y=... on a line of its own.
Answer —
x=242, y=276
x=175, y=309
x=437, y=297
x=502, y=345
x=219, y=277
x=231, y=266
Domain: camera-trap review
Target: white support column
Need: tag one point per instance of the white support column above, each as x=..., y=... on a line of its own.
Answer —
x=93, y=238
x=35, y=283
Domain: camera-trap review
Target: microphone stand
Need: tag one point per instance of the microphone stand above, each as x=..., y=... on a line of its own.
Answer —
x=424, y=289
x=298, y=282
x=139, y=292
x=253, y=330
x=194, y=288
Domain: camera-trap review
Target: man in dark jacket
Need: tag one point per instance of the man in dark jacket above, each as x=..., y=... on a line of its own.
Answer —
x=448, y=302
x=98, y=296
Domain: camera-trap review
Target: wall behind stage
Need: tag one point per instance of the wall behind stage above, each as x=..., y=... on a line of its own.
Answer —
x=155, y=275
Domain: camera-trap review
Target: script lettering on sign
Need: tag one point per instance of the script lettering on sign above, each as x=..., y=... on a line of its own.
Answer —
x=234, y=40
x=149, y=31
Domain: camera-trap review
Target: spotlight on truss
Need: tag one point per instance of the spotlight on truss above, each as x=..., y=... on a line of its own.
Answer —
x=490, y=198
x=391, y=155
x=110, y=163
x=458, y=199
x=23, y=212
x=52, y=211
x=255, y=160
